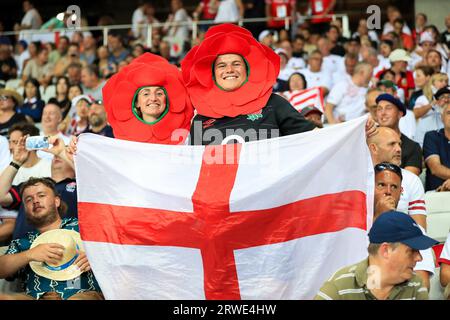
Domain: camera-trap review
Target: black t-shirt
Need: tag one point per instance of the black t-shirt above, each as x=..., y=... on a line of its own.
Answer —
x=277, y=118
x=17, y=117
x=107, y=131
x=411, y=153
x=445, y=38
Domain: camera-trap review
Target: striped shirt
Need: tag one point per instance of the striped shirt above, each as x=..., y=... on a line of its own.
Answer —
x=350, y=283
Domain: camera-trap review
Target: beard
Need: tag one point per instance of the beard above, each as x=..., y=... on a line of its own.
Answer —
x=96, y=121
x=45, y=219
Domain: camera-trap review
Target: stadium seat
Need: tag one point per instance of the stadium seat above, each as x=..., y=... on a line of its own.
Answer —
x=438, y=210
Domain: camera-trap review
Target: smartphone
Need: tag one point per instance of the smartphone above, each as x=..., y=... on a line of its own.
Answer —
x=36, y=143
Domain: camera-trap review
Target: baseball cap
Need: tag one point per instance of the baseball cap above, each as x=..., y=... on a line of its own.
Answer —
x=426, y=36
x=441, y=91
x=399, y=55
x=395, y=226
x=264, y=34
x=393, y=100
x=307, y=110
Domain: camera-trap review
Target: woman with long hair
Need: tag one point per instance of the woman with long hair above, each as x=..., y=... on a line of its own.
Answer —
x=62, y=95
x=33, y=104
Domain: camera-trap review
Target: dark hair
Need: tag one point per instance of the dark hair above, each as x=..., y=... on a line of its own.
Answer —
x=92, y=69
x=301, y=76
x=36, y=84
x=75, y=85
x=399, y=20
x=25, y=128
x=390, y=167
x=383, y=74
x=67, y=82
x=388, y=42
x=427, y=70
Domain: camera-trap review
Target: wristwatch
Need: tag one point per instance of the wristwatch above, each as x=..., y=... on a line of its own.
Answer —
x=15, y=165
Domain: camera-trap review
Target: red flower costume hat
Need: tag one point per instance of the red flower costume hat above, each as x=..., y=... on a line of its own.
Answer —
x=120, y=90
x=197, y=69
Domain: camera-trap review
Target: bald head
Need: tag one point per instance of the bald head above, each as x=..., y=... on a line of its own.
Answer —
x=385, y=146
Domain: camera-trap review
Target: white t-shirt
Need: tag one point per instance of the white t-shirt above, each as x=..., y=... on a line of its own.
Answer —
x=348, y=100
x=32, y=18
x=40, y=169
x=429, y=121
x=340, y=76
x=333, y=63
x=296, y=63
x=5, y=155
x=317, y=79
x=228, y=11
x=182, y=32
x=412, y=201
x=285, y=73
x=388, y=27
x=137, y=18
x=407, y=124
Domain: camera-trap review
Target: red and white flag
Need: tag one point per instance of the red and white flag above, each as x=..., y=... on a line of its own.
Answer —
x=270, y=219
x=300, y=99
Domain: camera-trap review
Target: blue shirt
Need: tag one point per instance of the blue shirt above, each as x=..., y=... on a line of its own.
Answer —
x=436, y=143
x=35, y=285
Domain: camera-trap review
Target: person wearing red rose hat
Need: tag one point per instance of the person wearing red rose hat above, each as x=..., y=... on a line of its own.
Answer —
x=147, y=102
x=229, y=78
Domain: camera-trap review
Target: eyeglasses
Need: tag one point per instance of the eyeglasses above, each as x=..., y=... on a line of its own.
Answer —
x=389, y=166
x=4, y=97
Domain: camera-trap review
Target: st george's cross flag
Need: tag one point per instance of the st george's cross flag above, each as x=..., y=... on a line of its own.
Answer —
x=270, y=219
x=305, y=98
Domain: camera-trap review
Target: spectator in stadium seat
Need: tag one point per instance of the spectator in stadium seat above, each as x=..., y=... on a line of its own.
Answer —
x=91, y=83
x=164, y=51
x=388, y=187
x=444, y=261
x=117, y=51
x=33, y=104
x=72, y=57
x=315, y=75
x=389, y=112
x=8, y=66
x=346, y=99
x=436, y=151
x=434, y=59
x=31, y=20
x=105, y=66
x=320, y=9
x=89, y=53
x=385, y=146
x=313, y=114
x=9, y=101
x=62, y=172
x=51, y=121
x=61, y=50
x=97, y=120
x=422, y=76
x=370, y=102
x=39, y=68
x=394, y=244
x=33, y=166
x=428, y=106
x=42, y=206
x=406, y=40
x=331, y=62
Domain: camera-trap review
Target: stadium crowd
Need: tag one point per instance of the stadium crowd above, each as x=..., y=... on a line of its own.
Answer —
x=399, y=75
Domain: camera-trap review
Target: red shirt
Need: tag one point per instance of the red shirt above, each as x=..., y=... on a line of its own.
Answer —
x=279, y=9
x=208, y=12
x=318, y=7
x=406, y=82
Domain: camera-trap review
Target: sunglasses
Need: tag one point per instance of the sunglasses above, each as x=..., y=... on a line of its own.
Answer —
x=5, y=97
x=389, y=166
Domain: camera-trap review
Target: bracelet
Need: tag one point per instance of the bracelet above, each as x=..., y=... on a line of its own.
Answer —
x=15, y=165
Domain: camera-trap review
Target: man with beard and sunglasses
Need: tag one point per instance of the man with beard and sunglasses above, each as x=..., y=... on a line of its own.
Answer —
x=97, y=120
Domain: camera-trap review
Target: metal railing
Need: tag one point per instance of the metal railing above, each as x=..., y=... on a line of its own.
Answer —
x=193, y=25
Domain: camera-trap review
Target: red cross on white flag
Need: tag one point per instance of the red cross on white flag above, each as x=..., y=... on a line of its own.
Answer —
x=270, y=219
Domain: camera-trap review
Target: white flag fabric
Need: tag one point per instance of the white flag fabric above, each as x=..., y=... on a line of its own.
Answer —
x=270, y=219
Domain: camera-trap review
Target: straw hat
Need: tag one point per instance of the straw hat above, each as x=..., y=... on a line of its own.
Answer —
x=399, y=55
x=13, y=93
x=64, y=269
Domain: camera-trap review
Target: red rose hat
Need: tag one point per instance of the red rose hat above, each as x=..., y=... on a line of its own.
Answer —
x=197, y=69
x=119, y=92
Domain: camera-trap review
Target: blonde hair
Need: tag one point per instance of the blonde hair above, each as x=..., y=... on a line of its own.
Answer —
x=427, y=91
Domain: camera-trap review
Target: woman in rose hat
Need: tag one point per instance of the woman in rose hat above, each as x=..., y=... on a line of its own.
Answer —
x=229, y=77
x=147, y=102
